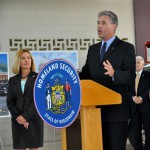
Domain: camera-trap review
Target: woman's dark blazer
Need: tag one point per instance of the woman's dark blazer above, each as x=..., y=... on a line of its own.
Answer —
x=23, y=104
x=121, y=55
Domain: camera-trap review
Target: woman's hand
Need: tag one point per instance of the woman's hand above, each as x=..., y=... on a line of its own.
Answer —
x=26, y=125
x=21, y=120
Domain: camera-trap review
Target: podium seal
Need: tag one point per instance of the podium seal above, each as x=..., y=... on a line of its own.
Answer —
x=57, y=93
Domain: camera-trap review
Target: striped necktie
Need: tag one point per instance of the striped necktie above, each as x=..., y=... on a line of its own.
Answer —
x=103, y=50
x=137, y=81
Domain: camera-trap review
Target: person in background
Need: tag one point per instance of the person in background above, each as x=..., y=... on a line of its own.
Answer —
x=140, y=106
x=27, y=126
x=48, y=92
x=67, y=93
x=111, y=63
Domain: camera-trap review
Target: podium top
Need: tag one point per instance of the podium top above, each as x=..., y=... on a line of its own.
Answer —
x=94, y=94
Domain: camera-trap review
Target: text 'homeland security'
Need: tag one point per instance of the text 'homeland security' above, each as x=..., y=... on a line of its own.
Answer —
x=54, y=66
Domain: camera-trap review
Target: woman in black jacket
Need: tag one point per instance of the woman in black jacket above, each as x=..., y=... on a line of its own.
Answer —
x=27, y=126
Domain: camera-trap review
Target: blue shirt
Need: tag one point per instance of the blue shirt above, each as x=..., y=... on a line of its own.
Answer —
x=23, y=82
x=108, y=42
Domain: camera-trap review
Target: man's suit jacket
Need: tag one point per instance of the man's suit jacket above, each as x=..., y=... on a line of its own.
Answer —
x=142, y=91
x=121, y=55
x=22, y=103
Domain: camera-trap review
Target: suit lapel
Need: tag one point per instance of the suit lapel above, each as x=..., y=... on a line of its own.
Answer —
x=97, y=54
x=141, y=80
x=29, y=81
x=18, y=85
x=112, y=48
x=27, y=84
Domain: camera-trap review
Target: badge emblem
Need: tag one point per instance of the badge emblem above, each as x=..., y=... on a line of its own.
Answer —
x=57, y=93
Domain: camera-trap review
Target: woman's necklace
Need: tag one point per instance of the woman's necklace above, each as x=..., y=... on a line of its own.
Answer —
x=24, y=77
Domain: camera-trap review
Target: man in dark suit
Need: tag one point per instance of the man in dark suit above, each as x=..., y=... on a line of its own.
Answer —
x=114, y=68
x=140, y=106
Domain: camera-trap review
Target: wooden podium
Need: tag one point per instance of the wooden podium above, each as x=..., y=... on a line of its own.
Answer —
x=86, y=130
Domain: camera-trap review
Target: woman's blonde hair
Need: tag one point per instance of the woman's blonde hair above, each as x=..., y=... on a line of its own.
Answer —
x=16, y=67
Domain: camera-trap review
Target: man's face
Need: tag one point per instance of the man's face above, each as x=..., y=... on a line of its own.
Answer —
x=105, y=28
x=139, y=65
